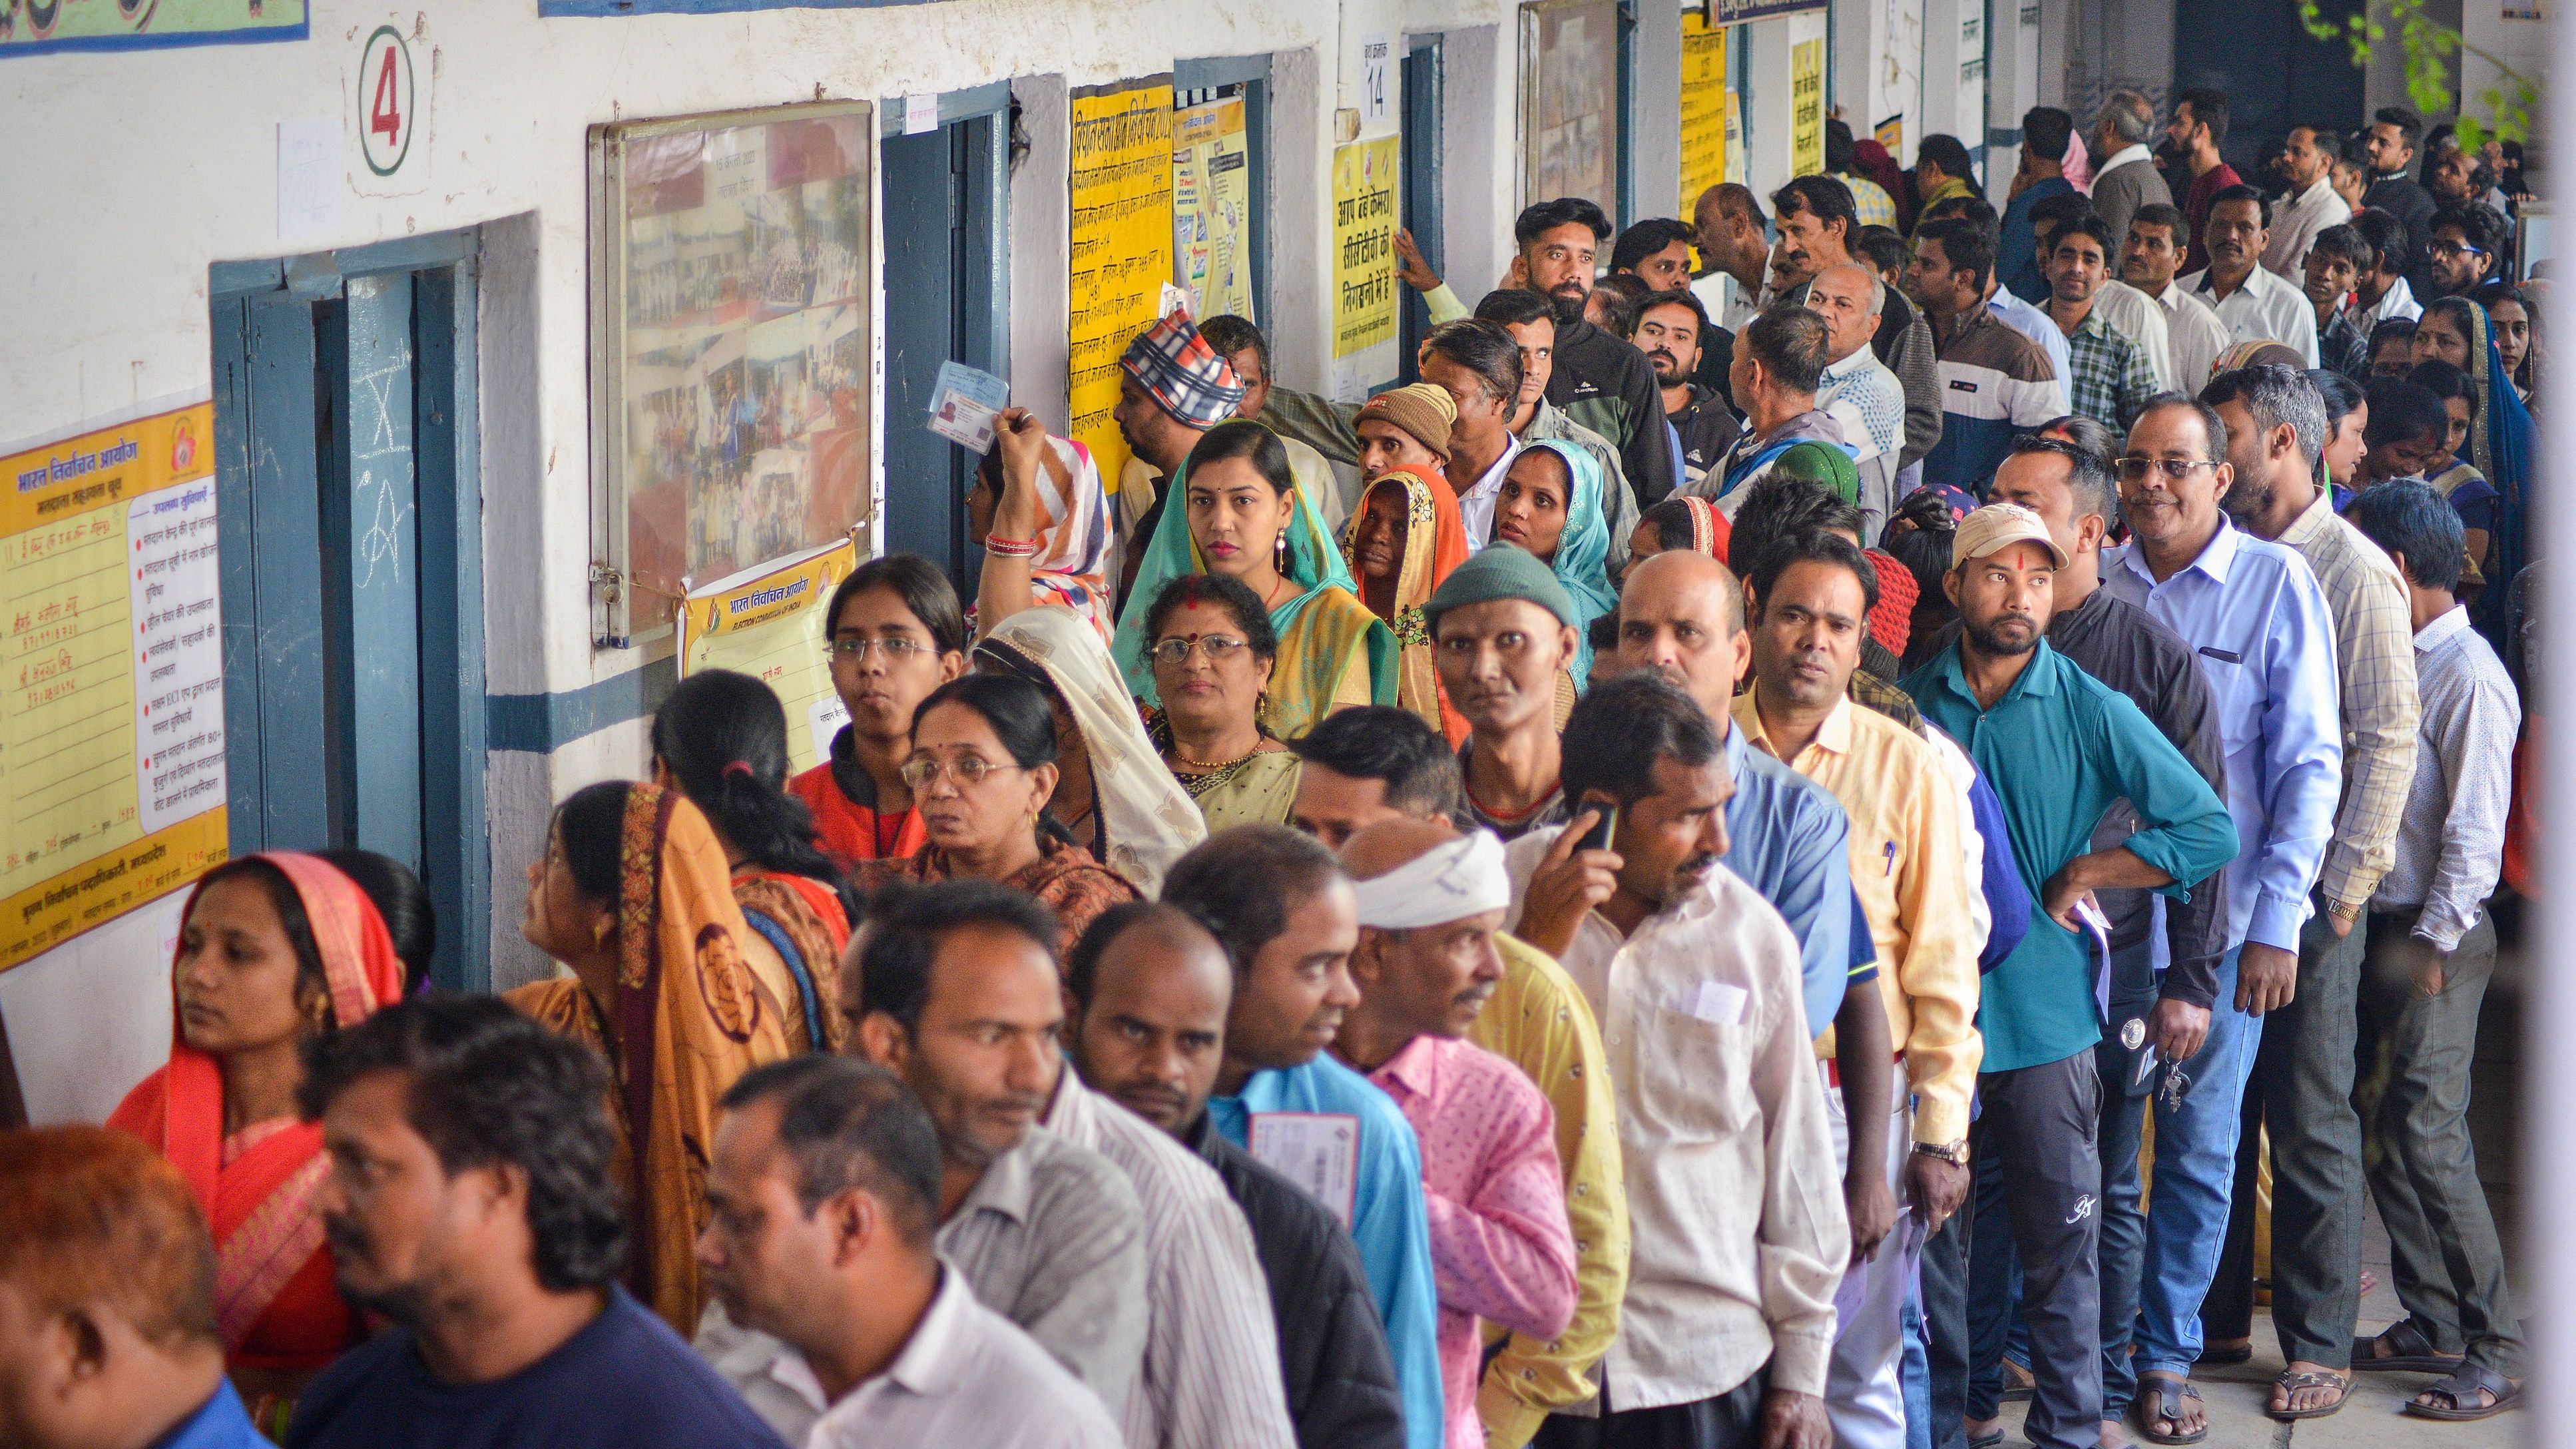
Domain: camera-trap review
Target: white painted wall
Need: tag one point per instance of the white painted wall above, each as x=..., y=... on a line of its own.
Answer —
x=168, y=160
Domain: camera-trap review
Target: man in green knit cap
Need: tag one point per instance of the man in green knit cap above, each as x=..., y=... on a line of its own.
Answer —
x=1503, y=631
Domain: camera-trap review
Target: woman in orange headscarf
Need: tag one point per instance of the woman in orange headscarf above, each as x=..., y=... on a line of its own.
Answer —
x=634, y=896
x=1401, y=541
x=273, y=949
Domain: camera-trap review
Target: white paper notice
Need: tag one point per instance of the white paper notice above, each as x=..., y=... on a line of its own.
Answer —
x=1720, y=1003
x=920, y=114
x=1377, y=58
x=178, y=653
x=825, y=717
x=1318, y=1151
x=308, y=178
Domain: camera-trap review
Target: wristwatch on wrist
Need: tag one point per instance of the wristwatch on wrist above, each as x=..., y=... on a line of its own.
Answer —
x=1953, y=1153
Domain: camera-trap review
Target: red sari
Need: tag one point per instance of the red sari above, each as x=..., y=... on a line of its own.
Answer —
x=275, y=1295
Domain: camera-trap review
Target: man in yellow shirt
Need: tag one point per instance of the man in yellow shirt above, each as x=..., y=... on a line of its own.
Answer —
x=1378, y=763
x=1812, y=594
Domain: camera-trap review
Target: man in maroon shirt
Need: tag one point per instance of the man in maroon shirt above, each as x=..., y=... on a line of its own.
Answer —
x=2199, y=123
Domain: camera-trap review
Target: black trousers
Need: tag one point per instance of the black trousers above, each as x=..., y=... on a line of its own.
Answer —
x=2040, y=1125
x=1732, y=1420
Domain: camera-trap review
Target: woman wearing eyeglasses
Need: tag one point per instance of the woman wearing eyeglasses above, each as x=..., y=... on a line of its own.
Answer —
x=1241, y=516
x=897, y=633
x=1214, y=655
x=982, y=769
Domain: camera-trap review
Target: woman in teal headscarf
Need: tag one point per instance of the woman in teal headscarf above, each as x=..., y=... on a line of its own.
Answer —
x=2501, y=437
x=1550, y=504
x=1241, y=514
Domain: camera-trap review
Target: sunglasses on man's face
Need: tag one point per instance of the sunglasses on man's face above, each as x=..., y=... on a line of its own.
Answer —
x=2134, y=467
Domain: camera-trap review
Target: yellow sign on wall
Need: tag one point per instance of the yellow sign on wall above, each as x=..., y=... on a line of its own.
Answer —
x=1364, y=219
x=1121, y=245
x=1807, y=108
x=112, y=781
x=1703, y=105
x=773, y=629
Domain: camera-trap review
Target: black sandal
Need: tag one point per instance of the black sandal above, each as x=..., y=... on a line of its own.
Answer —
x=2019, y=1384
x=2414, y=1354
x=2313, y=1379
x=2461, y=1385
x=2227, y=1357
x=2167, y=1405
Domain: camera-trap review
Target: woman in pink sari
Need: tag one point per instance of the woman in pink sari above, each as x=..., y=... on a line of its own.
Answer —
x=273, y=949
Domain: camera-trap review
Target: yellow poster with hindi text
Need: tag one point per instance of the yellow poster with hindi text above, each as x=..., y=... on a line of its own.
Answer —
x=1807, y=108
x=1364, y=222
x=1703, y=107
x=1121, y=246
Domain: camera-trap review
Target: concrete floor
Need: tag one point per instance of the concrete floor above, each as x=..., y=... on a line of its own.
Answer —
x=2370, y=1419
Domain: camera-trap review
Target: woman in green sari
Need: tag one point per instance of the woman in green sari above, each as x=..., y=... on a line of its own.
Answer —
x=1242, y=516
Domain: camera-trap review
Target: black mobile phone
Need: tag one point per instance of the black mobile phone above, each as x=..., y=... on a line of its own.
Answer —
x=1598, y=837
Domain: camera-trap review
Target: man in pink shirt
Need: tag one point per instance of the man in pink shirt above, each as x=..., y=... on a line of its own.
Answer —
x=1430, y=900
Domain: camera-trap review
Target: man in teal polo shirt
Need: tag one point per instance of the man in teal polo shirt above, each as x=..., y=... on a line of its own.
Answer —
x=2059, y=747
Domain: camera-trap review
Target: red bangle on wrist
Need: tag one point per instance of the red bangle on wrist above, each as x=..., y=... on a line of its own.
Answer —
x=1011, y=547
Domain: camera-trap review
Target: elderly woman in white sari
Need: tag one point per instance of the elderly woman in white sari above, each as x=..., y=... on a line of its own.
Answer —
x=1112, y=791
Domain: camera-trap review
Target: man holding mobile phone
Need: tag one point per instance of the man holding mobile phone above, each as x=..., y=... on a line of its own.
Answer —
x=1726, y=1329
x=1812, y=593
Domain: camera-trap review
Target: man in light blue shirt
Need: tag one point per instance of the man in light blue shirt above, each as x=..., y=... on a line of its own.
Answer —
x=1283, y=1099
x=2261, y=632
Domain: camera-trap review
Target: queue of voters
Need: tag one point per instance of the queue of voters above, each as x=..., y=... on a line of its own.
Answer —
x=1767, y=853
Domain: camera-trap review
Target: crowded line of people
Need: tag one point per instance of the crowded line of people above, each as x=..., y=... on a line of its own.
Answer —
x=1647, y=888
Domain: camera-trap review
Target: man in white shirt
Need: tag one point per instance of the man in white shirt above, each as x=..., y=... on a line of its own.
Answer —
x=1738, y=1235
x=1479, y=364
x=2148, y=257
x=2256, y=304
x=823, y=1190
x=1858, y=390
x=2307, y=163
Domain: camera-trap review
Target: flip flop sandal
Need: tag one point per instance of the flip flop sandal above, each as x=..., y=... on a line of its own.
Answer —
x=2226, y=1357
x=2166, y=1405
x=2414, y=1352
x=2316, y=1379
x=2462, y=1384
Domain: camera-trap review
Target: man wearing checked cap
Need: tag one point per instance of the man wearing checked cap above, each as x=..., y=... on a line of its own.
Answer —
x=1172, y=388
x=2012, y=700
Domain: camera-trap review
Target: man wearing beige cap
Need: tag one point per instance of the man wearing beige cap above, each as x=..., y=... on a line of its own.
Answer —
x=2011, y=699
x=1406, y=427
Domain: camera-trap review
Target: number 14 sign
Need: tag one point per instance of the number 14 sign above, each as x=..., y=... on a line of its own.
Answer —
x=389, y=103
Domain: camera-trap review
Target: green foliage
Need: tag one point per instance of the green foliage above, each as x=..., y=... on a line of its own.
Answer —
x=2503, y=113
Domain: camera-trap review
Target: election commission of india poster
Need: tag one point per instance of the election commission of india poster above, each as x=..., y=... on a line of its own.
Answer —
x=1364, y=220
x=1703, y=106
x=772, y=628
x=112, y=720
x=1212, y=208
x=1121, y=245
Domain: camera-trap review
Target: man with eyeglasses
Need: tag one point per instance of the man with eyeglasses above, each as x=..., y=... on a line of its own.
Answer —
x=2464, y=249
x=2264, y=641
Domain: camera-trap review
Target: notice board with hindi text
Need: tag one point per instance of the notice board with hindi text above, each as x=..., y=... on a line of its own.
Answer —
x=1121, y=245
x=1365, y=212
x=1703, y=106
x=112, y=783
x=1807, y=108
x=1212, y=207
x=772, y=628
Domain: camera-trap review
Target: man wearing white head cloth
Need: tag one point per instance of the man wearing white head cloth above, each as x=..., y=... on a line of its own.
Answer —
x=1430, y=901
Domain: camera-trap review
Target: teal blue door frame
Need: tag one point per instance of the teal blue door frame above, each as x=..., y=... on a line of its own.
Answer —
x=349, y=525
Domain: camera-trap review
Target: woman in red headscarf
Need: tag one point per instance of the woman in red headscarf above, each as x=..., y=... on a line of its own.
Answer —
x=273, y=949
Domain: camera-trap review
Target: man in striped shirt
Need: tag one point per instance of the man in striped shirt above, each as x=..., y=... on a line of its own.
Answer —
x=1995, y=383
